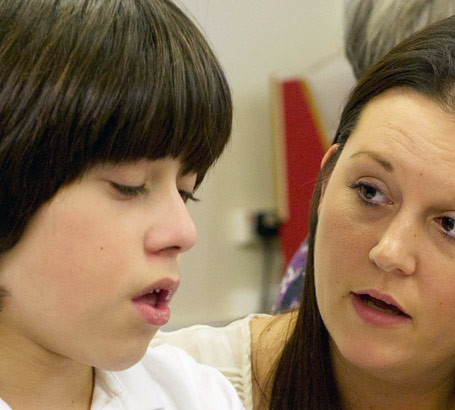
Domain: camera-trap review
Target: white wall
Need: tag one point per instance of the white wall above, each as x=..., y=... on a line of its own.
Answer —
x=254, y=40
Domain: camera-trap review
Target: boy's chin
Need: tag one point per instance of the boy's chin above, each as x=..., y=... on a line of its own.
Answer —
x=122, y=359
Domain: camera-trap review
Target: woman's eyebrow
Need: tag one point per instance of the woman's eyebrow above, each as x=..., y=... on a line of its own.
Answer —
x=385, y=164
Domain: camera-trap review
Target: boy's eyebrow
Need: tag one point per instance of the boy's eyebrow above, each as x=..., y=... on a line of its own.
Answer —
x=385, y=164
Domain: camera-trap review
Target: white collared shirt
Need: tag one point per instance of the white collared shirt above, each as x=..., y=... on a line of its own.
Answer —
x=166, y=378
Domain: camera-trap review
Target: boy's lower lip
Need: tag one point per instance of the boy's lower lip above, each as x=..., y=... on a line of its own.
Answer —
x=155, y=315
x=376, y=317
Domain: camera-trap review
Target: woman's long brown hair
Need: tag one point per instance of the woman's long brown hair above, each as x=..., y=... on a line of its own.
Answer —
x=303, y=376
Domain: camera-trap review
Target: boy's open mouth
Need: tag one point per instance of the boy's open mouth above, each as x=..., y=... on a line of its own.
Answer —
x=152, y=303
x=155, y=298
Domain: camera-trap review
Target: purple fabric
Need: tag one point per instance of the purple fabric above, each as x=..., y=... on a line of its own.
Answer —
x=292, y=283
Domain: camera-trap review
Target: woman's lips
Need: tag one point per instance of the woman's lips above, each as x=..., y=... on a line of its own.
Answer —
x=379, y=309
x=152, y=302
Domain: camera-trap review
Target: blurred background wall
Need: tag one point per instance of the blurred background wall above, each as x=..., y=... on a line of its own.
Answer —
x=255, y=40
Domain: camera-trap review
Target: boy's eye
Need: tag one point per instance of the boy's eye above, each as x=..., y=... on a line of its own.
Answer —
x=186, y=195
x=128, y=190
x=134, y=190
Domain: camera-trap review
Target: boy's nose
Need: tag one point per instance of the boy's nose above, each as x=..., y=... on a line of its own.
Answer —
x=172, y=230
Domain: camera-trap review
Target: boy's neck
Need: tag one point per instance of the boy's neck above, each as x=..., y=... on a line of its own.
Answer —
x=32, y=377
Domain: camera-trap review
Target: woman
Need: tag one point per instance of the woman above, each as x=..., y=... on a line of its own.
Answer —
x=375, y=329
x=111, y=112
x=372, y=29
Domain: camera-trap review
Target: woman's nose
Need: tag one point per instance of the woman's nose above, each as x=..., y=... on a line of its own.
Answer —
x=395, y=249
x=171, y=229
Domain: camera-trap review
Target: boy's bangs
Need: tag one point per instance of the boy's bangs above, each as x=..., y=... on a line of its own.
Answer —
x=172, y=102
x=187, y=115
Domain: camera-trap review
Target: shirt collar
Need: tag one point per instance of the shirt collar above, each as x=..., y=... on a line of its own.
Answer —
x=131, y=389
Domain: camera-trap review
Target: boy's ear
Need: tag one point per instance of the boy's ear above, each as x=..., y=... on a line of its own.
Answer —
x=326, y=156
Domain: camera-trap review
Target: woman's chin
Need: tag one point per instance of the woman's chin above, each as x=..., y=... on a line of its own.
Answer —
x=374, y=357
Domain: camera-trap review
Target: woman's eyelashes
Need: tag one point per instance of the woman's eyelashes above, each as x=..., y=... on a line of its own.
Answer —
x=369, y=194
x=130, y=191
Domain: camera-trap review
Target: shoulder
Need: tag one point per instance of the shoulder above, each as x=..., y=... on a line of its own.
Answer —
x=268, y=337
x=182, y=382
x=269, y=333
x=227, y=348
x=232, y=342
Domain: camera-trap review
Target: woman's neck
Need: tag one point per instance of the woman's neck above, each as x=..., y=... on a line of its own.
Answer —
x=32, y=377
x=360, y=389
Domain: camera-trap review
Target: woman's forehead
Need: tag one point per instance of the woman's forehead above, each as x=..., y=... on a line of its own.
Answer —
x=405, y=120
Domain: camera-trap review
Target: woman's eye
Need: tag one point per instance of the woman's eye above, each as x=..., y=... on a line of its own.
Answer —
x=128, y=190
x=187, y=196
x=369, y=194
x=447, y=225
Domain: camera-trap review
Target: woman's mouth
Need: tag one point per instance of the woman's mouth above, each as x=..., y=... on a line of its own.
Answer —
x=379, y=310
x=381, y=306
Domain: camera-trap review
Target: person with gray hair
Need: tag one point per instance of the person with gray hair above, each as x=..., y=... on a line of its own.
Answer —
x=374, y=27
